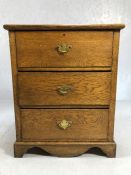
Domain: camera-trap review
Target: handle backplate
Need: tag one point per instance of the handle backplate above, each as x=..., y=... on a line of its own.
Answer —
x=63, y=90
x=64, y=124
x=63, y=48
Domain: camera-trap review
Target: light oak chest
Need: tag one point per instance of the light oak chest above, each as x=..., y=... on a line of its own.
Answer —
x=64, y=81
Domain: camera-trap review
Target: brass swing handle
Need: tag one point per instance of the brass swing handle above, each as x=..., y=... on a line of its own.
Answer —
x=63, y=90
x=64, y=124
x=63, y=48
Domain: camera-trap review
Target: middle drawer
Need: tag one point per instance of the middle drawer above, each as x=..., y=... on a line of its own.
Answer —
x=64, y=88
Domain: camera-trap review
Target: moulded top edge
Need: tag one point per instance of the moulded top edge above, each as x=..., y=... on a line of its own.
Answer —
x=23, y=27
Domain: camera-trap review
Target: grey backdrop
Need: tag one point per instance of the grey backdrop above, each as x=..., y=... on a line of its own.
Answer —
x=67, y=12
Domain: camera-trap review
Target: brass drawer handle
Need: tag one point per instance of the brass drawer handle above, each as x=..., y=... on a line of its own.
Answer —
x=64, y=124
x=63, y=90
x=63, y=48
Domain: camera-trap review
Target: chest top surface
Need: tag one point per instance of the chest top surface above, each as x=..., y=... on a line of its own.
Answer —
x=17, y=27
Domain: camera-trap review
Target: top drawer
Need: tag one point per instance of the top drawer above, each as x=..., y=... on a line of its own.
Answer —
x=61, y=49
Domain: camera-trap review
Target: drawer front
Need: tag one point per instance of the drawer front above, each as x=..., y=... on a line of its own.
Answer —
x=67, y=88
x=64, y=48
x=64, y=124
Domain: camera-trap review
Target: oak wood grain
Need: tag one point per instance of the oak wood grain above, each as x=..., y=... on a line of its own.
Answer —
x=41, y=88
x=86, y=124
x=65, y=149
x=39, y=49
x=113, y=86
x=14, y=80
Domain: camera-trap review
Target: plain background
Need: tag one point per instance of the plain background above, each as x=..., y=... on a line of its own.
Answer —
x=67, y=12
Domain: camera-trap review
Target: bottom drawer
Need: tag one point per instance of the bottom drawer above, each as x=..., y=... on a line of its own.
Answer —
x=64, y=124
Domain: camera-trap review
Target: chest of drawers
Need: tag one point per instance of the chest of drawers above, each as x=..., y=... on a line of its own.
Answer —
x=64, y=82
